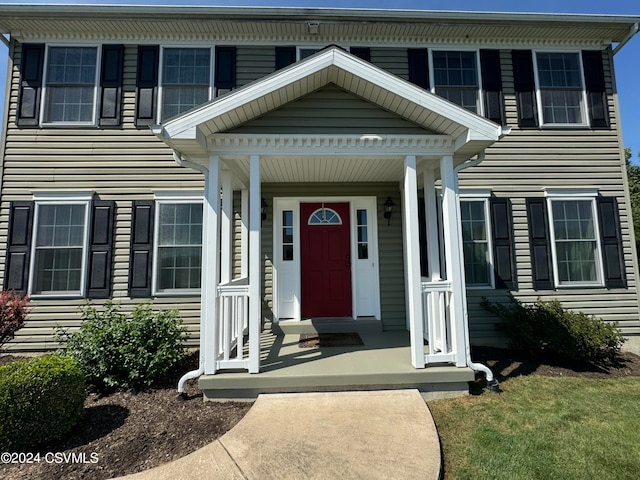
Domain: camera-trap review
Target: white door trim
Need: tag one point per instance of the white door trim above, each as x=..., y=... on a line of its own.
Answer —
x=287, y=274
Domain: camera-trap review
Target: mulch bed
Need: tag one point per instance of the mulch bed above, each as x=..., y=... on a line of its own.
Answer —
x=134, y=431
x=505, y=364
x=323, y=340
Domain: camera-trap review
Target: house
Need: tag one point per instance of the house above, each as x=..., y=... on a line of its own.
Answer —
x=272, y=171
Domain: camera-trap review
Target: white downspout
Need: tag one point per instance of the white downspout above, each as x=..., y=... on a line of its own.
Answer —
x=492, y=383
x=203, y=324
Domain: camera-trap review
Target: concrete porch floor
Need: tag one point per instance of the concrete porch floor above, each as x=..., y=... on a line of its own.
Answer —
x=382, y=363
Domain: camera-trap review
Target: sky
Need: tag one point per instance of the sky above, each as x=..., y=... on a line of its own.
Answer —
x=627, y=60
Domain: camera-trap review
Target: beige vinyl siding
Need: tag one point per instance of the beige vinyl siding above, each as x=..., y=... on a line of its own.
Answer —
x=330, y=110
x=392, y=298
x=254, y=62
x=121, y=164
x=393, y=60
x=521, y=165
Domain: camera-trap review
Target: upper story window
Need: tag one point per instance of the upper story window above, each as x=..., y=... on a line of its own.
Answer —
x=455, y=77
x=70, y=85
x=185, y=80
x=561, y=96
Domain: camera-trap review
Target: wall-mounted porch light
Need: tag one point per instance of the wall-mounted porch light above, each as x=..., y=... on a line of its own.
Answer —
x=388, y=209
x=263, y=210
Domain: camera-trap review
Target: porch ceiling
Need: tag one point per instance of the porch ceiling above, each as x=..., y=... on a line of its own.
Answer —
x=200, y=132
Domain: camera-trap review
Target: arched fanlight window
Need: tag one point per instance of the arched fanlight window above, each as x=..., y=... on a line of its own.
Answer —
x=324, y=216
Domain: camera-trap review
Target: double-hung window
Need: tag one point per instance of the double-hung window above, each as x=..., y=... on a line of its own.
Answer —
x=575, y=239
x=186, y=79
x=60, y=247
x=455, y=77
x=178, y=251
x=561, y=95
x=476, y=241
x=70, y=84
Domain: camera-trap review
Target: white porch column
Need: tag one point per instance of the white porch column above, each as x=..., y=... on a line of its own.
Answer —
x=430, y=204
x=412, y=261
x=244, y=233
x=454, y=257
x=210, y=278
x=255, y=303
x=226, y=250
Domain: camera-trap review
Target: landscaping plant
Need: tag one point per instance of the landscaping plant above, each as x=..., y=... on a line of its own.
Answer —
x=41, y=400
x=547, y=329
x=13, y=313
x=117, y=350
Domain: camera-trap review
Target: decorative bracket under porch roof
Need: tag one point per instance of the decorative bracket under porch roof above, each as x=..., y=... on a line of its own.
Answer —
x=193, y=134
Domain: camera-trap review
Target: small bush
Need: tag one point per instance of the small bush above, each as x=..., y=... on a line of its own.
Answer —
x=41, y=400
x=13, y=313
x=550, y=330
x=120, y=351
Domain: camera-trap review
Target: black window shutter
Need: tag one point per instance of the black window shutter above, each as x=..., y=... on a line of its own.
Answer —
x=525, y=88
x=101, y=249
x=141, y=255
x=612, y=255
x=31, y=68
x=418, y=67
x=225, y=71
x=146, y=85
x=539, y=240
x=16, y=274
x=503, y=246
x=285, y=56
x=361, y=52
x=492, y=85
x=111, y=85
x=596, y=89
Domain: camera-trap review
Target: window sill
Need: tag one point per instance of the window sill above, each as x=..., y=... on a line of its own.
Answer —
x=569, y=286
x=177, y=293
x=69, y=125
x=56, y=296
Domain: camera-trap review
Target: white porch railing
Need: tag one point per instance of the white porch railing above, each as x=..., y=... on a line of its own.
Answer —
x=233, y=324
x=436, y=308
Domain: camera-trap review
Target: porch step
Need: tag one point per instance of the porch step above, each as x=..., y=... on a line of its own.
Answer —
x=326, y=325
x=382, y=363
x=432, y=383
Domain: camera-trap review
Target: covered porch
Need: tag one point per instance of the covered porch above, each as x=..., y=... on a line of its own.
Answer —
x=240, y=282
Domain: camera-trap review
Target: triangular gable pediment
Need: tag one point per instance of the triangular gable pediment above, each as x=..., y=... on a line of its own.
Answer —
x=332, y=66
x=331, y=110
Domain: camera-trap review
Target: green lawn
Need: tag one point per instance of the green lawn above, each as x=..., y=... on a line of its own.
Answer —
x=544, y=428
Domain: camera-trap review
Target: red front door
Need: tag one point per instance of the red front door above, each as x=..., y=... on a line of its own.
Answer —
x=326, y=260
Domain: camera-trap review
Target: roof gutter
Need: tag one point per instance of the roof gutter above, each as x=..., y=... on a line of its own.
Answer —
x=5, y=40
x=632, y=31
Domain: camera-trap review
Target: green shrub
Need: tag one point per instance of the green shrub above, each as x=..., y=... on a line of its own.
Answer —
x=548, y=329
x=116, y=350
x=13, y=313
x=41, y=400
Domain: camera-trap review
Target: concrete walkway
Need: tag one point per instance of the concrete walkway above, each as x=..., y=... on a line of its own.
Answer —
x=343, y=435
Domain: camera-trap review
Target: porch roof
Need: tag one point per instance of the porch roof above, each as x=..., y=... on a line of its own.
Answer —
x=449, y=129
